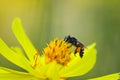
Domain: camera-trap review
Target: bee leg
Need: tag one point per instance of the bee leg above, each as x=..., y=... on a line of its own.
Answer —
x=81, y=53
x=75, y=53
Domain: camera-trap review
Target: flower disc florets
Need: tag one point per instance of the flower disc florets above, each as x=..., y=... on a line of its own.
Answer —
x=59, y=51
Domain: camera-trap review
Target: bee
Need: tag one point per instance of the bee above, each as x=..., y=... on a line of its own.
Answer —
x=79, y=46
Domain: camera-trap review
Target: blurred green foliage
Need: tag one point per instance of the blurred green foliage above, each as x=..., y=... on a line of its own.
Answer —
x=89, y=20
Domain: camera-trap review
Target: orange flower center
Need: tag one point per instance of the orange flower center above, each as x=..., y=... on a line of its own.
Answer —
x=59, y=51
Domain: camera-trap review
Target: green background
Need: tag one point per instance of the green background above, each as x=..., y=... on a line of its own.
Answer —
x=88, y=20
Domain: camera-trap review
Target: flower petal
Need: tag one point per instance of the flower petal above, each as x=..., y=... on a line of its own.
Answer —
x=23, y=39
x=3, y=71
x=48, y=71
x=7, y=70
x=115, y=76
x=72, y=64
x=19, y=51
x=79, y=66
x=14, y=57
x=52, y=71
x=9, y=74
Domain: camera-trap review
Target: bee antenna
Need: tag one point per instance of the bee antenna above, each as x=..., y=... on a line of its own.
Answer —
x=67, y=37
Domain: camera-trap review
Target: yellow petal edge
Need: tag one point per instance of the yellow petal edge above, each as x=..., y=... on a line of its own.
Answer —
x=79, y=66
x=23, y=39
x=115, y=76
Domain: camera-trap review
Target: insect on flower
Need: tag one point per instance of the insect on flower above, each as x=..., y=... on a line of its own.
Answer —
x=56, y=63
x=79, y=46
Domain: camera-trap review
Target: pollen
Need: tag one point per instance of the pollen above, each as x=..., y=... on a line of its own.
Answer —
x=59, y=51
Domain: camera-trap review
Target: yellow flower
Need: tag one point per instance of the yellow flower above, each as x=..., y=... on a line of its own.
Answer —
x=115, y=76
x=57, y=62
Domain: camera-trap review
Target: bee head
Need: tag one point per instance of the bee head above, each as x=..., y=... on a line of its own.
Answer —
x=71, y=40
